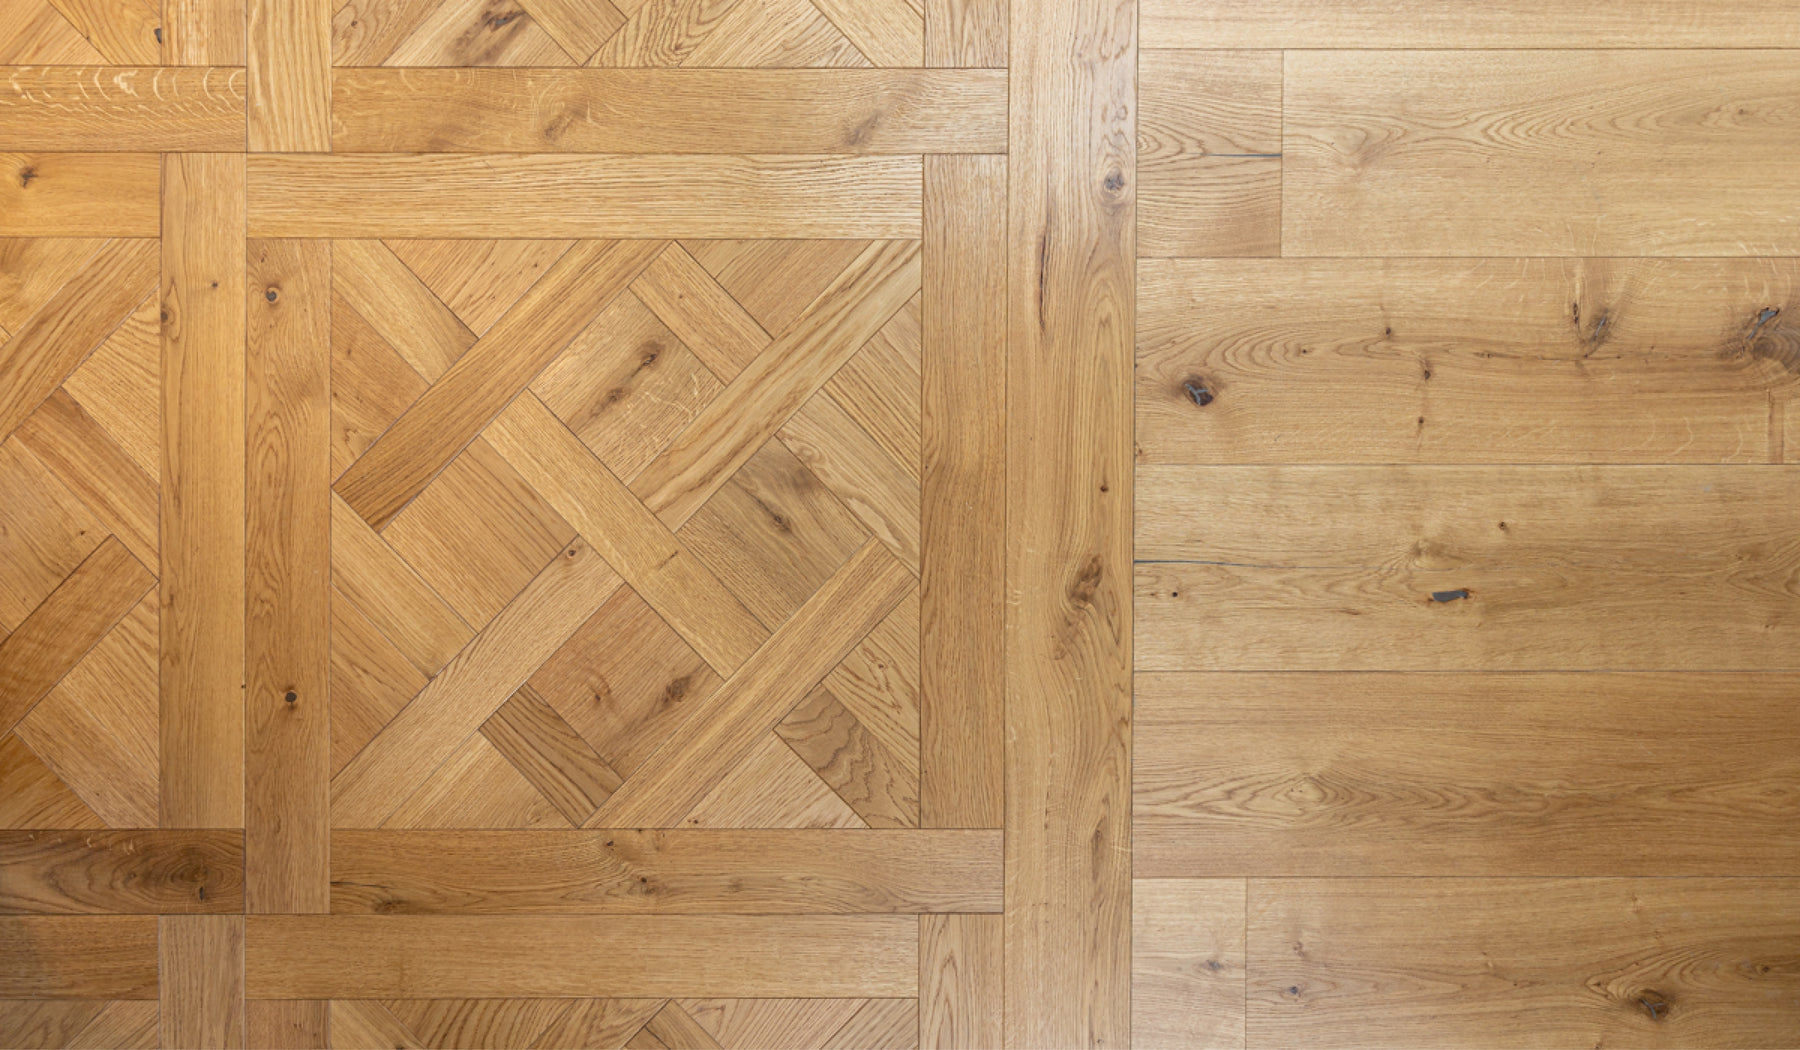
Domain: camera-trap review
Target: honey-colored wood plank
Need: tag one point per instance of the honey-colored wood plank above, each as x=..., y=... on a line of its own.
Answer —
x=693, y=870
x=78, y=956
x=889, y=33
x=1451, y=153
x=477, y=1022
x=962, y=580
x=579, y=27
x=725, y=726
x=598, y=1022
x=39, y=34
x=774, y=33
x=962, y=977
x=120, y=383
x=287, y=660
x=45, y=533
x=287, y=1024
x=121, y=108
x=1466, y=568
x=44, y=1024
x=547, y=751
x=125, y=31
x=203, y=330
x=69, y=622
x=880, y=492
x=882, y=787
x=289, y=74
x=675, y=1027
x=476, y=787
x=455, y=409
x=1210, y=206
x=478, y=33
x=79, y=195
x=842, y=111
x=201, y=965
x=1187, y=962
x=366, y=1022
x=571, y=196
x=384, y=588
x=125, y=1024
x=700, y=313
x=1209, y=153
x=56, y=337
x=1454, y=361
x=399, y=306
x=1070, y=244
x=85, y=458
x=1461, y=774
x=407, y=956
x=31, y=796
x=203, y=32
x=879, y=1024
x=1520, y=962
x=965, y=33
x=772, y=787
x=33, y=268
x=1448, y=23
x=121, y=872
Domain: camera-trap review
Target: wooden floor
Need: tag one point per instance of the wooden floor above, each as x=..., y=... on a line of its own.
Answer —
x=899, y=523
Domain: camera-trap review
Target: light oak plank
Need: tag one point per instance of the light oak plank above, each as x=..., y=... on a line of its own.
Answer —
x=289, y=73
x=547, y=751
x=399, y=306
x=203, y=478
x=965, y=33
x=881, y=786
x=287, y=659
x=1187, y=961
x=125, y=31
x=1463, y=774
x=384, y=588
x=579, y=27
x=120, y=872
x=287, y=1024
x=962, y=979
x=79, y=195
x=122, y=108
x=619, y=871
x=702, y=111
x=78, y=957
x=889, y=33
x=203, y=32
x=1466, y=568
x=33, y=268
x=31, y=796
x=201, y=965
x=85, y=458
x=882, y=494
x=700, y=313
x=1209, y=153
x=575, y=196
x=314, y=957
x=879, y=1024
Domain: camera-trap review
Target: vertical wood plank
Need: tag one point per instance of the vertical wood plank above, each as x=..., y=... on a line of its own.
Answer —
x=1071, y=171
x=965, y=33
x=203, y=32
x=963, y=575
x=287, y=660
x=961, y=979
x=202, y=672
x=201, y=965
x=290, y=75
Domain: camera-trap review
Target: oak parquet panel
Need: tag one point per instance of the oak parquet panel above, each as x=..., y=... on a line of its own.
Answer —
x=962, y=976
x=79, y=195
x=1187, y=961
x=122, y=108
x=125, y=31
x=700, y=312
x=384, y=588
x=79, y=956
x=476, y=787
x=547, y=751
x=772, y=787
x=124, y=1024
x=45, y=533
x=120, y=872
x=201, y=970
x=289, y=74
x=287, y=1024
x=33, y=796
x=119, y=385
x=477, y=33
x=80, y=453
x=40, y=34
x=33, y=268
x=397, y=304
x=478, y=280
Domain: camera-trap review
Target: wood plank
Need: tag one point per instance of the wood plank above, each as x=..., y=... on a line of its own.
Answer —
x=41, y=1024
x=1521, y=962
x=965, y=33
x=879, y=1024
x=700, y=313
x=478, y=386
x=124, y=1023
x=887, y=32
x=575, y=196
x=1449, y=23
x=1071, y=207
x=409, y=956
x=761, y=111
x=962, y=579
x=1460, y=774
x=1450, y=153
x=399, y=306
x=1466, y=568
x=962, y=978
x=1209, y=153
x=203, y=32
x=1187, y=961
x=287, y=1024
x=547, y=751
x=122, y=108
x=1453, y=361
x=125, y=31
x=385, y=589
x=882, y=494
x=59, y=632
x=689, y=871
x=579, y=27
x=881, y=786
x=31, y=796
x=201, y=961
x=287, y=660
x=78, y=957
x=58, y=335
x=289, y=44
x=80, y=195
x=203, y=329
x=141, y=872
x=673, y=1026
x=725, y=726
x=84, y=457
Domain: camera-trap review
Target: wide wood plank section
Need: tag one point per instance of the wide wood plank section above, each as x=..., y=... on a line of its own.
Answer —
x=121, y=872
x=1187, y=961
x=1209, y=153
x=411, y=957
x=80, y=195
x=674, y=871
x=201, y=965
x=1539, y=153
x=78, y=957
x=962, y=981
x=838, y=111
x=1467, y=568
x=121, y=108
x=289, y=45
x=1465, y=774
x=1521, y=962
x=1470, y=361
x=574, y=196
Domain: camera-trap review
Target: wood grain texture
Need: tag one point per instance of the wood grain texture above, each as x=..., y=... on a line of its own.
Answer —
x=1466, y=568
x=1187, y=961
x=962, y=978
x=287, y=659
x=576, y=196
x=287, y=1024
x=774, y=111
x=201, y=970
x=122, y=108
x=962, y=579
x=1071, y=183
x=1447, y=23
x=1209, y=153
x=1538, y=153
x=544, y=748
x=407, y=956
x=120, y=872
x=79, y=195
x=203, y=332
x=966, y=33
x=675, y=871
x=289, y=73
x=125, y=31
x=78, y=450
x=1459, y=774
x=78, y=957
x=1454, y=361
x=1521, y=962
x=203, y=32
